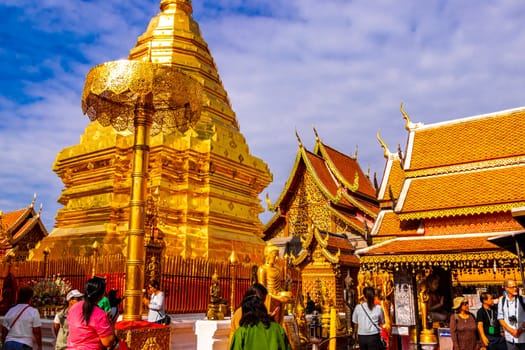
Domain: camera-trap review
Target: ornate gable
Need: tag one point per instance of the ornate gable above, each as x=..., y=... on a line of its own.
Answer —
x=457, y=178
x=21, y=230
x=318, y=192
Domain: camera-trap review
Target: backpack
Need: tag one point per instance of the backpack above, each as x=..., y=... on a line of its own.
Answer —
x=520, y=298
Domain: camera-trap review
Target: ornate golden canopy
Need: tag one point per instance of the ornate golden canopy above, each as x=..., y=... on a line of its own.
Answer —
x=112, y=90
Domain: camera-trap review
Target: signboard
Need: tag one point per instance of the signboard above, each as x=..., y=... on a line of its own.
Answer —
x=404, y=304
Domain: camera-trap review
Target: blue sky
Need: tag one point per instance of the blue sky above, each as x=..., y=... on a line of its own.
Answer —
x=343, y=66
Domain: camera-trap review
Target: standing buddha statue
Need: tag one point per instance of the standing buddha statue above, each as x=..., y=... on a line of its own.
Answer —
x=270, y=275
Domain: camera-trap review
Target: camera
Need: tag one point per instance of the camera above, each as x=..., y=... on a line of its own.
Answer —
x=513, y=320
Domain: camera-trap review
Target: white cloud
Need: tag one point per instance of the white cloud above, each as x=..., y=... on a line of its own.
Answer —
x=343, y=66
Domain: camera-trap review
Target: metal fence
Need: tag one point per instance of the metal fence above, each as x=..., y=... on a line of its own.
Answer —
x=185, y=282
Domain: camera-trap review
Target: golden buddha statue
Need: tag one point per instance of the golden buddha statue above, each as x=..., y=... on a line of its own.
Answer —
x=217, y=302
x=270, y=275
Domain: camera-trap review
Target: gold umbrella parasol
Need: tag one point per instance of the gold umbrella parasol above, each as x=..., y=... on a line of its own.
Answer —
x=144, y=98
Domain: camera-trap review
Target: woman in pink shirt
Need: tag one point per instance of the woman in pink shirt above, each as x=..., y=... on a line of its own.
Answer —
x=89, y=326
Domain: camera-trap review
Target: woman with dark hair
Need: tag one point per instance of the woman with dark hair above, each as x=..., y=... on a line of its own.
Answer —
x=368, y=318
x=21, y=328
x=89, y=326
x=114, y=303
x=256, y=289
x=258, y=330
x=155, y=303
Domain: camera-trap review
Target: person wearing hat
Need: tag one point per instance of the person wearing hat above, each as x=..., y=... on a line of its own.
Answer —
x=60, y=326
x=463, y=326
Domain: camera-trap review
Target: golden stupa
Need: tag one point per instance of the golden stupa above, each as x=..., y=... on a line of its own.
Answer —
x=202, y=179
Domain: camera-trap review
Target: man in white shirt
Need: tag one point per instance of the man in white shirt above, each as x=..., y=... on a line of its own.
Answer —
x=511, y=316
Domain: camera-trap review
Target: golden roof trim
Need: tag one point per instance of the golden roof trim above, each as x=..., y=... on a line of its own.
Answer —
x=334, y=259
x=302, y=256
x=330, y=163
x=358, y=205
x=436, y=257
x=346, y=220
x=305, y=242
x=323, y=242
x=483, y=209
x=318, y=181
x=456, y=168
x=290, y=179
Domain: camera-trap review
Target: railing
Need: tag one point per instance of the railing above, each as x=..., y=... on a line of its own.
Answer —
x=185, y=282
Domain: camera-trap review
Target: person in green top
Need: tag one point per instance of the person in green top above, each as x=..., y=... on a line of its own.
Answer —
x=104, y=304
x=258, y=330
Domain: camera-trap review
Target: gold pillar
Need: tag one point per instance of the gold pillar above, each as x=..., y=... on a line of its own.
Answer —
x=95, y=259
x=153, y=98
x=233, y=261
x=136, y=232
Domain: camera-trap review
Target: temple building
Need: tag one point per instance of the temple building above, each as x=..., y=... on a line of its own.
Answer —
x=323, y=214
x=203, y=182
x=441, y=200
x=20, y=231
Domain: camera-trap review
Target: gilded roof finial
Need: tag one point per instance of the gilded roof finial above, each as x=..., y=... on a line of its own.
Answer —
x=269, y=204
x=184, y=5
x=316, y=134
x=298, y=139
x=32, y=205
x=408, y=125
x=386, y=152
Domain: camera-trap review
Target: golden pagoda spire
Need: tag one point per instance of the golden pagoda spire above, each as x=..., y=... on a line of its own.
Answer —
x=174, y=5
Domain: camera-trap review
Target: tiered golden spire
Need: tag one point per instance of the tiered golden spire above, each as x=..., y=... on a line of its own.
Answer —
x=207, y=178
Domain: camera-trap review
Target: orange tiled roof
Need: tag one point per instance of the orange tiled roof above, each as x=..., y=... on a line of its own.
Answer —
x=339, y=242
x=10, y=218
x=322, y=173
x=490, y=222
x=436, y=244
x=348, y=167
x=475, y=192
x=389, y=224
x=497, y=135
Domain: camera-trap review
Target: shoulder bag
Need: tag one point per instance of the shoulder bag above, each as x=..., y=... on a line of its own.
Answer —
x=17, y=317
x=166, y=320
x=383, y=342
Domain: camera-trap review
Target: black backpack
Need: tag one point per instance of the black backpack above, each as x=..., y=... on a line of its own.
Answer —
x=520, y=298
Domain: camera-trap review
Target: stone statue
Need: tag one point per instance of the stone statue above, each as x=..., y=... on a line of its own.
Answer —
x=216, y=300
x=270, y=275
x=349, y=297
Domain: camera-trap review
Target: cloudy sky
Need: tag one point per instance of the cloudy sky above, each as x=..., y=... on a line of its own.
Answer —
x=343, y=66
